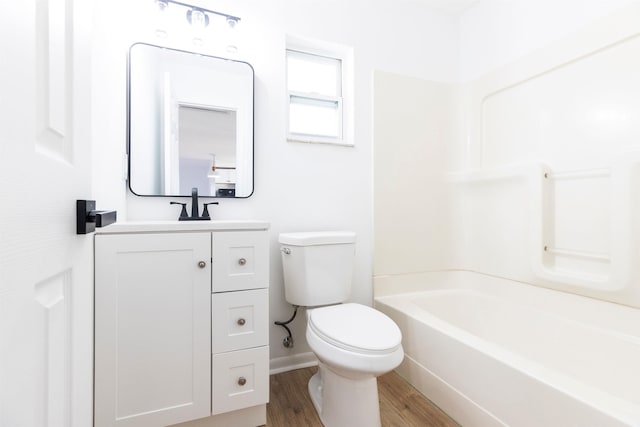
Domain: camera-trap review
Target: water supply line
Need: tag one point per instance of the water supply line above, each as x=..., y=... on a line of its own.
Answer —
x=288, y=340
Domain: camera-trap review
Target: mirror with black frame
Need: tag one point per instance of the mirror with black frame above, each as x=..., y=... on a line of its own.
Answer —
x=190, y=124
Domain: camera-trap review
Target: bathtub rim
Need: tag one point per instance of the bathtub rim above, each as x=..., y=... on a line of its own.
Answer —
x=618, y=408
x=609, y=315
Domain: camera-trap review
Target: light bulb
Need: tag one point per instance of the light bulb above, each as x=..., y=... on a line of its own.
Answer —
x=230, y=35
x=199, y=21
x=161, y=18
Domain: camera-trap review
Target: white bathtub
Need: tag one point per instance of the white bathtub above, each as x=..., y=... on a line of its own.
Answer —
x=493, y=352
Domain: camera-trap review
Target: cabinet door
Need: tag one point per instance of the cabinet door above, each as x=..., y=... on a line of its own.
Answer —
x=241, y=260
x=152, y=329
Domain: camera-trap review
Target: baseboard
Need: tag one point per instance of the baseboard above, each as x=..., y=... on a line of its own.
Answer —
x=289, y=363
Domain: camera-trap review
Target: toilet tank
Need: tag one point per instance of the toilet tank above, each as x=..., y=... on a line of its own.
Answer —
x=317, y=266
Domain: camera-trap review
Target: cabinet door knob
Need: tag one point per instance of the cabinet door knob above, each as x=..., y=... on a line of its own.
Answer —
x=242, y=261
x=242, y=381
x=202, y=264
x=241, y=321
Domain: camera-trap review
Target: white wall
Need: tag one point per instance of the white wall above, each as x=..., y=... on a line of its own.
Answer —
x=413, y=126
x=556, y=99
x=494, y=33
x=297, y=186
x=567, y=110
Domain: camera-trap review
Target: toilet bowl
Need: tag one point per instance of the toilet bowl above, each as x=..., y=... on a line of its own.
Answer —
x=354, y=339
x=354, y=343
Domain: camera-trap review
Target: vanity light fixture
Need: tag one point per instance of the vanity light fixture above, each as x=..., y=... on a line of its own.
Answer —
x=199, y=19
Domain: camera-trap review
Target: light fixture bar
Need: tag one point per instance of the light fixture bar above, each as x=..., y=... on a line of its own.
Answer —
x=235, y=18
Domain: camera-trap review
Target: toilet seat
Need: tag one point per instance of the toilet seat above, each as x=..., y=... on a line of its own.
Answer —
x=356, y=328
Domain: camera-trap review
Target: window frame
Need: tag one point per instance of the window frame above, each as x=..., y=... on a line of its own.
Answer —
x=322, y=50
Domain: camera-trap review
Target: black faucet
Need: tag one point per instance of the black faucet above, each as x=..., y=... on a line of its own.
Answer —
x=195, y=216
x=194, y=202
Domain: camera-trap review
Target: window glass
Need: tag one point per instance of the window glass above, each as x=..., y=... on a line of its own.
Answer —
x=314, y=117
x=313, y=74
x=314, y=83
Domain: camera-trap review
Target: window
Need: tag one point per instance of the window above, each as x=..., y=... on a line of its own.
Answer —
x=315, y=91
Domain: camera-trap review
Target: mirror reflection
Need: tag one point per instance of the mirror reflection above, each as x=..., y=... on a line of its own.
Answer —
x=190, y=124
x=207, y=155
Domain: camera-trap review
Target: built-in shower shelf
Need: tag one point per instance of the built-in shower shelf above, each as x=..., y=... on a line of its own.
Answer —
x=578, y=254
x=581, y=232
x=581, y=220
x=579, y=174
x=573, y=226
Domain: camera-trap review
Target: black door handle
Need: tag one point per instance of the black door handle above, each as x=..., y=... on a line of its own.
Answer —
x=88, y=218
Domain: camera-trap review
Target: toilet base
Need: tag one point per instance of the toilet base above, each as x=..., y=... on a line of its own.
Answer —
x=344, y=402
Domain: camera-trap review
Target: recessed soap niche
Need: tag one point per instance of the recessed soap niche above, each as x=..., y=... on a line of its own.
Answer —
x=587, y=224
x=581, y=222
x=576, y=225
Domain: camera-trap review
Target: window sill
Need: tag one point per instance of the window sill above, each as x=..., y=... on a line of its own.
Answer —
x=319, y=140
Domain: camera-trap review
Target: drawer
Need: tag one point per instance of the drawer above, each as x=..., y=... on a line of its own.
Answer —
x=240, y=379
x=239, y=320
x=240, y=260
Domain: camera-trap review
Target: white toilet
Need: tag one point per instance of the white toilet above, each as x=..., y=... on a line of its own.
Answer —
x=354, y=343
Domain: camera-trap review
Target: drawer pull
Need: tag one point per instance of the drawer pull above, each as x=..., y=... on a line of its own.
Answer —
x=202, y=264
x=241, y=321
x=242, y=381
x=242, y=261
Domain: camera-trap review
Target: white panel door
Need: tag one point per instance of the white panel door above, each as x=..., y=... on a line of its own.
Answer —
x=46, y=270
x=153, y=329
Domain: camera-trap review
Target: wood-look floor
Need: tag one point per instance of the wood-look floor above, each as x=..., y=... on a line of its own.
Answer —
x=400, y=404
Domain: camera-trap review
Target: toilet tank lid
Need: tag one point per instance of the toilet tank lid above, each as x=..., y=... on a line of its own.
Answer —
x=317, y=238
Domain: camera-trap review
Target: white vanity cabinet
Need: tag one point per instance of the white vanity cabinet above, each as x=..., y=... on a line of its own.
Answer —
x=181, y=325
x=239, y=310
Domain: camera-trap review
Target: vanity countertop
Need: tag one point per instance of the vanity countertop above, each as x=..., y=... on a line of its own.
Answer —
x=176, y=226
